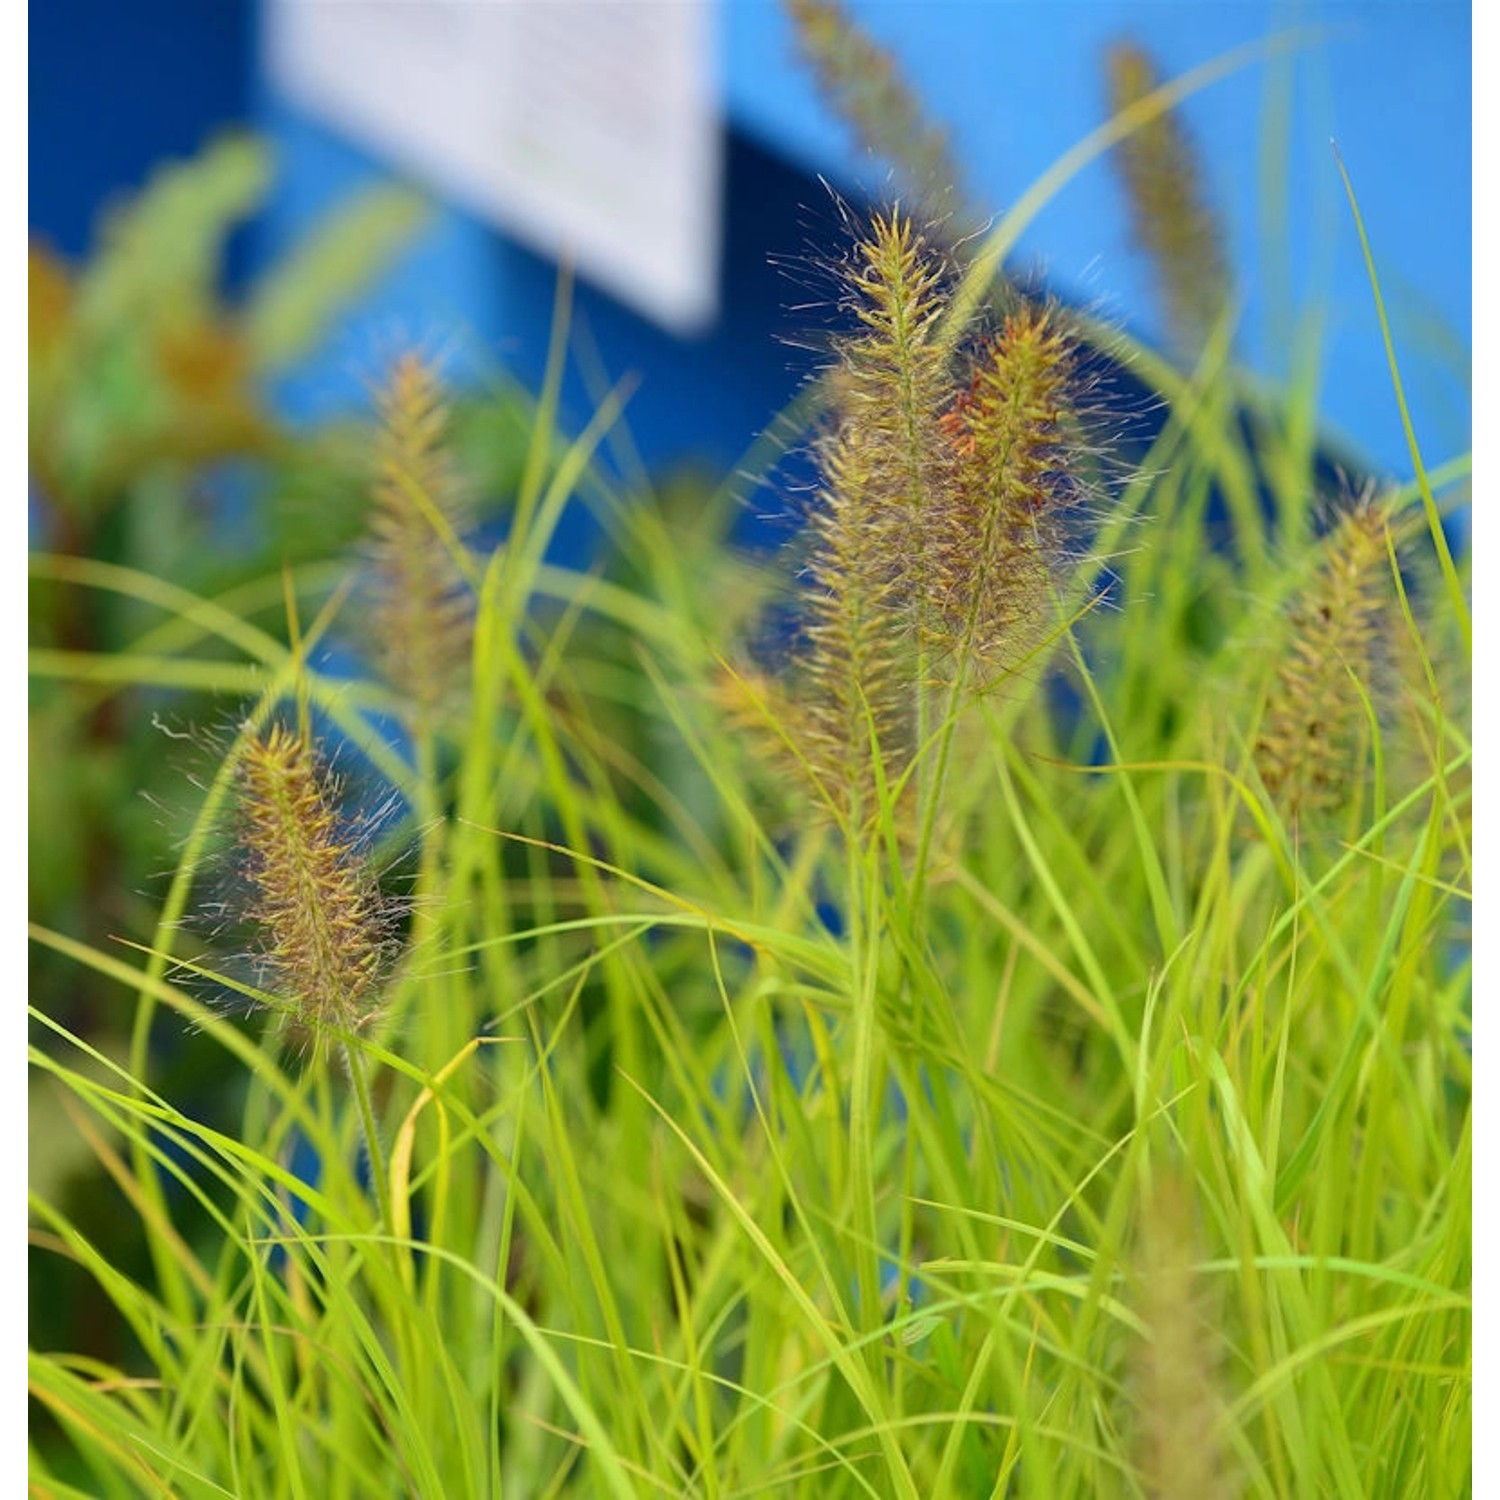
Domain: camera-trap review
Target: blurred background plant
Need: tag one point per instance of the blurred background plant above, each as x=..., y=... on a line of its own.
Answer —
x=164, y=479
x=155, y=454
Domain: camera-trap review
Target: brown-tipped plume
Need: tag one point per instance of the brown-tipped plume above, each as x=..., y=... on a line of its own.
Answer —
x=1311, y=746
x=1182, y=1454
x=1170, y=215
x=935, y=534
x=884, y=461
x=996, y=540
x=421, y=607
x=862, y=83
x=323, y=949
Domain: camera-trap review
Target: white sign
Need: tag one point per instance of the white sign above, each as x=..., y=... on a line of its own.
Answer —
x=588, y=129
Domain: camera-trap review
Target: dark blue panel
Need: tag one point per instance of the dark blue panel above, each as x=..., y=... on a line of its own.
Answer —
x=115, y=86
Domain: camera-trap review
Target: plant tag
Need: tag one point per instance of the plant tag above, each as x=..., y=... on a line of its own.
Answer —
x=587, y=129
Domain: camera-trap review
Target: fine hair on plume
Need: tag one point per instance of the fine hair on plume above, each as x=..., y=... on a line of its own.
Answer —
x=938, y=530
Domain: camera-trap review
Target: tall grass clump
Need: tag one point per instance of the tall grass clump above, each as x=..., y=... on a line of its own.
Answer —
x=977, y=1005
x=936, y=546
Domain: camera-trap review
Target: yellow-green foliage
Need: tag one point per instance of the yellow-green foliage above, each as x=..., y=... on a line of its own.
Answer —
x=1077, y=1147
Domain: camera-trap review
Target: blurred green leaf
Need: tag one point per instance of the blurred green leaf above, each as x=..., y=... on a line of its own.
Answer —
x=160, y=255
x=294, y=302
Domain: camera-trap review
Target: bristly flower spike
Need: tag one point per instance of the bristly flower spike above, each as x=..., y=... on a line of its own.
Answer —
x=884, y=462
x=1170, y=214
x=323, y=950
x=935, y=532
x=422, y=607
x=1183, y=1454
x=862, y=82
x=1309, y=748
x=996, y=540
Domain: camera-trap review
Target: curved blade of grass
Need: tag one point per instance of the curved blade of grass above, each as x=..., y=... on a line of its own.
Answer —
x=1424, y=484
x=855, y=1373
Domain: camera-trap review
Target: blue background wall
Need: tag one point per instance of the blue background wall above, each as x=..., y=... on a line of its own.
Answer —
x=113, y=87
x=1017, y=81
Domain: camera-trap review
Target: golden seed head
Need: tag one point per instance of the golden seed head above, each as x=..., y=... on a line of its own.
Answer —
x=1311, y=748
x=862, y=83
x=997, y=537
x=421, y=606
x=1181, y=1451
x=934, y=535
x=1171, y=219
x=316, y=908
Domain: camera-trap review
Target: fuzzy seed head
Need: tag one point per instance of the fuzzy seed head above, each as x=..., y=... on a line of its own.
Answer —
x=1171, y=219
x=1182, y=1455
x=997, y=538
x=421, y=606
x=884, y=459
x=1310, y=750
x=316, y=908
x=862, y=83
x=935, y=529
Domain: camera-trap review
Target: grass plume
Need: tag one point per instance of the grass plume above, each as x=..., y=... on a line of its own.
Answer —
x=1312, y=741
x=863, y=84
x=323, y=946
x=882, y=459
x=421, y=605
x=1180, y=1452
x=1170, y=214
x=936, y=528
x=998, y=538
